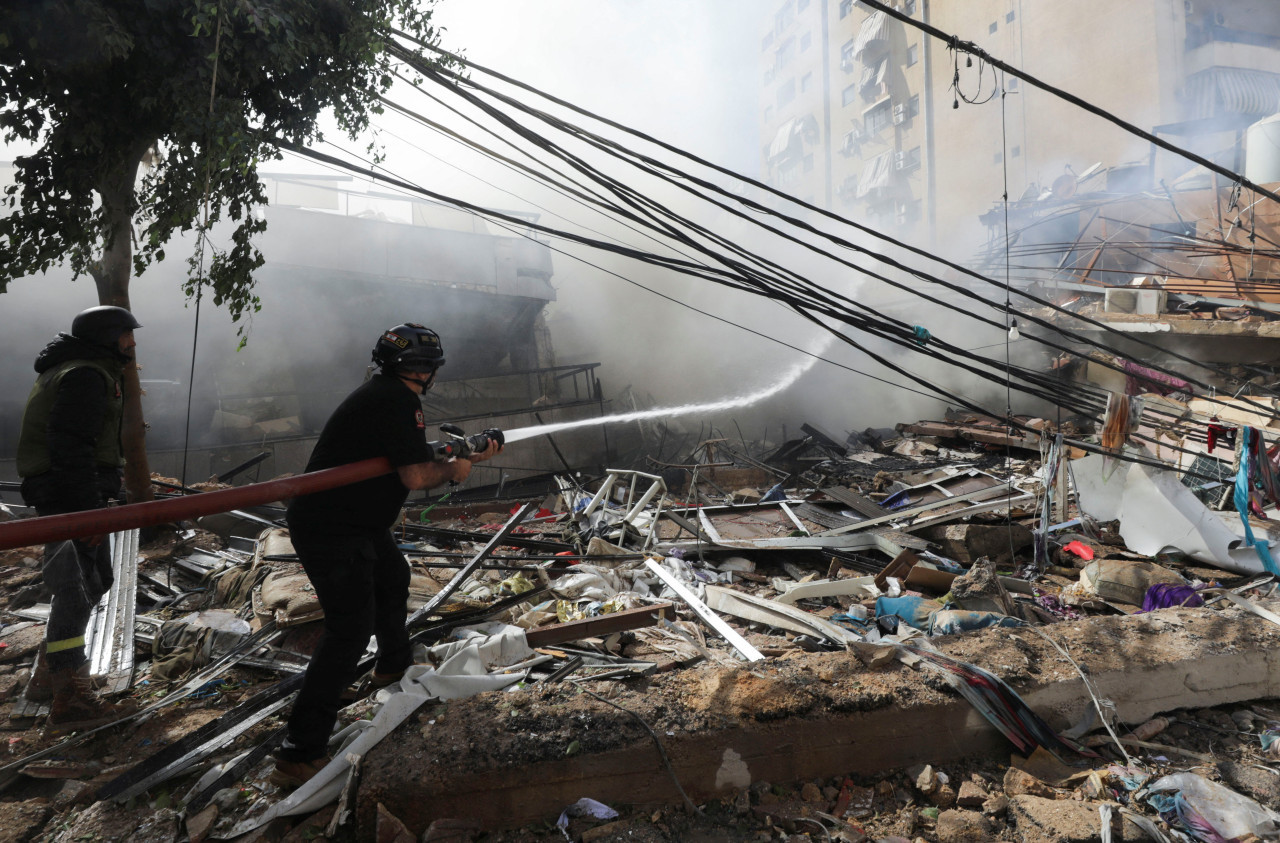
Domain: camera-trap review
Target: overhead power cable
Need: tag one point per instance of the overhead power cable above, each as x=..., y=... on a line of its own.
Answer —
x=683, y=177
x=518, y=224
x=412, y=58
x=759, y=278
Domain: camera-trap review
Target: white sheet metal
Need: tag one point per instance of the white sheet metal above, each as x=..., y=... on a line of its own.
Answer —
x=109, y=636
x=863, y=587
x=775, y=614
x=1157, y=513
x=701, y=609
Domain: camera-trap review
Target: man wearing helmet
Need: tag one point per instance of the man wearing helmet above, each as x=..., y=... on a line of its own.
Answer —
x=344, y=542
x=70, y=460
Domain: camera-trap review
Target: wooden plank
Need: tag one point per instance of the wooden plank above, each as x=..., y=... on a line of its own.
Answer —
x=606, y=624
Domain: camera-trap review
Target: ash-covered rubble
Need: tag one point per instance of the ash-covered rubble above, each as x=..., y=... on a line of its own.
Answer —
x=626, y=625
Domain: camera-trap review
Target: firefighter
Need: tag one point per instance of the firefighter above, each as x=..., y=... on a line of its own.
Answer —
x=343, y=537
x=70, y=460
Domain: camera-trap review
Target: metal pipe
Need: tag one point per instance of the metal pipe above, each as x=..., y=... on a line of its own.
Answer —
x=50, y=528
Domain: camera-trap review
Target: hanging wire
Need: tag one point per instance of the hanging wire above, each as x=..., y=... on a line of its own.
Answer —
x=200, y=245
x=1010, y=321
x=998, y=88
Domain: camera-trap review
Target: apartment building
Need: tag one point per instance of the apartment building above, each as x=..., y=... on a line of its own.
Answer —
x=895, y=128
x=795, y=89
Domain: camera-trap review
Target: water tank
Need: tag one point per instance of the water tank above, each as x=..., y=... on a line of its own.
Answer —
x=1262, y=151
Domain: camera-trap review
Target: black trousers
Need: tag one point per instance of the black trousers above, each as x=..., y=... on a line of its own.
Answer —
x=76, y=575
x=362, y=583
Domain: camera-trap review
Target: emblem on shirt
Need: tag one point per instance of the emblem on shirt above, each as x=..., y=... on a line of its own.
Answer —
x=117, y=389
x=420, y=419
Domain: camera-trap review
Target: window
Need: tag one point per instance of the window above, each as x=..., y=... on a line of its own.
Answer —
x=1008, y=18
x=801, y=5
x=909, y=7
x=913, y=106
x=808, y=163
x=997, y=158
x=789, y=172
x=805, y=40
x=783, y=18
x=992, y=29
x=767, y=42
x=846, y=55
x=1013, y=83
x=849, y=95
x=1015, y=152
x=878, y=117
x=786, y=92
x=908, y=160
x=806, y=82
x=786, y=52
x=913, y=54
x=846, y=6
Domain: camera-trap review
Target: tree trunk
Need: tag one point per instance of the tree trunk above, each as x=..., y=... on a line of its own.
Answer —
x=112, y=275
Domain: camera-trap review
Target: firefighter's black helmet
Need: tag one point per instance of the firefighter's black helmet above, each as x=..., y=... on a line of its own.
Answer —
x=103, y=325
x=408, y=348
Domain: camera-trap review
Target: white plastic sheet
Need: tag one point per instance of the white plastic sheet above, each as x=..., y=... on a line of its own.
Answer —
x=464, y=672
x=1231, y=814
x=1157, y=513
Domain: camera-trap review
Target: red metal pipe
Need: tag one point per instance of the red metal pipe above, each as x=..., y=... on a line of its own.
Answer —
x=93, y=522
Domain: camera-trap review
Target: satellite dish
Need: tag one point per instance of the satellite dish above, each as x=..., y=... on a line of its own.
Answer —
x=1064, y=186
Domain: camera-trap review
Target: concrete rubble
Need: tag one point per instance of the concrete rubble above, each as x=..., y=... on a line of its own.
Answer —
x=867, y=640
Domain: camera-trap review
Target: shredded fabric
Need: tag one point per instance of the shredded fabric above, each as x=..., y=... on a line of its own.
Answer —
x=1242, y=498
x=1140, y=379
x=1163, y=595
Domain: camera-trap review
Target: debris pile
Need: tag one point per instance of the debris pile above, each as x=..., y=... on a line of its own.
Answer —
x=951, y=631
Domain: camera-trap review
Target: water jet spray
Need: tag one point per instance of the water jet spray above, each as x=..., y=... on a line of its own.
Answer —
x=787, y=379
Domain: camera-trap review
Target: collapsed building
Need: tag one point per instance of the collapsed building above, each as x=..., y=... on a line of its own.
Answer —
x=968, y=628
x=870, y=621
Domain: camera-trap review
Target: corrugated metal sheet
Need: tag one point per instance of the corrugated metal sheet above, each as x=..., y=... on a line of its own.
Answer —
x=109, y=637
x=1221, y=91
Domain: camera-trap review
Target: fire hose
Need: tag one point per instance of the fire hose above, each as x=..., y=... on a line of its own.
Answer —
x=92, y=522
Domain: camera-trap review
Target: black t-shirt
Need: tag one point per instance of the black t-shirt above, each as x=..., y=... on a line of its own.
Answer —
x=382, y=418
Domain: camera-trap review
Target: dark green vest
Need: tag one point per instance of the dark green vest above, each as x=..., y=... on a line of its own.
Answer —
x=33, y=442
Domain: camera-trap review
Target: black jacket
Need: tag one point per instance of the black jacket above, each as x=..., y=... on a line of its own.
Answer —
x=75, y=482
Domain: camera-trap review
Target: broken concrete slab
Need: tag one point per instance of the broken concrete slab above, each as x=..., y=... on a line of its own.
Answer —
x=769, y=722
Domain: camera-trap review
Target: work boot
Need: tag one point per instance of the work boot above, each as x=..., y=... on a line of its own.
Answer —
x=40, y=685
x=294, y=774
x=368, y=684
x=77, y=708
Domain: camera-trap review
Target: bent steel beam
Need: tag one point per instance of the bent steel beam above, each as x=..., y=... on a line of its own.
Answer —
x=29, y=531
